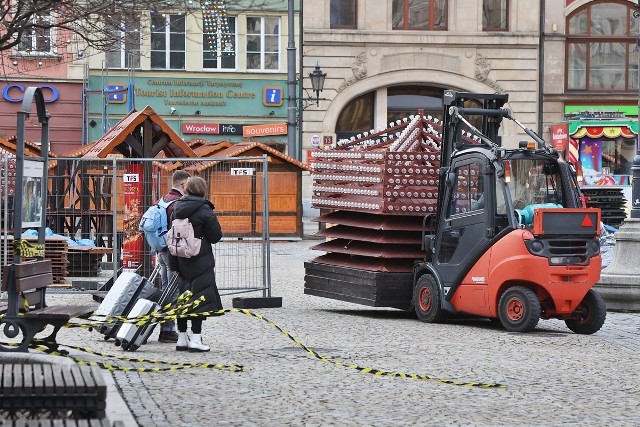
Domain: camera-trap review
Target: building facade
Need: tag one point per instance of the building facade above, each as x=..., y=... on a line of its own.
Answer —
x=211, y=79
x=48, y=60
x=230, y=86
x=569, y=67
x=393, y=60
x=590, y=87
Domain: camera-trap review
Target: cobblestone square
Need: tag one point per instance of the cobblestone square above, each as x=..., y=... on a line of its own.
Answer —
x=551, y=376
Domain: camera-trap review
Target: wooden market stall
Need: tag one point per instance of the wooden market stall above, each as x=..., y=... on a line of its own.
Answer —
x=238, y=198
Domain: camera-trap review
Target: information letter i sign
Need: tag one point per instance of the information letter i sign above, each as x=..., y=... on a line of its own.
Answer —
x=272, y=96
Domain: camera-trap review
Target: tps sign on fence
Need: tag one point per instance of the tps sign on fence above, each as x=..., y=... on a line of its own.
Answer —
x=242, y=171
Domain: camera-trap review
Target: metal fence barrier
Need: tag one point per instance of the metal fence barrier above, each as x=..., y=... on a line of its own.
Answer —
x=95, y=206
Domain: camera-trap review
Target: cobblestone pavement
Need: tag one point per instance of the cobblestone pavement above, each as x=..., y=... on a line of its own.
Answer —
x=552, y=376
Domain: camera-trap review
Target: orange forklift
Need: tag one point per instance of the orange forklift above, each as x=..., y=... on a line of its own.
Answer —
x=511, y=239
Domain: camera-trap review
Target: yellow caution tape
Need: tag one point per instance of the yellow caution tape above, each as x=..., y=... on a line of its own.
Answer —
x=183, y=308
x=27, y=249
x=42, y=346
x=378, y=372
x=179, y=310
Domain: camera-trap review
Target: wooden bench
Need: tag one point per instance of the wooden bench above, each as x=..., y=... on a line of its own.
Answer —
x=26, y=311
x=63, y=423
x=52, y=392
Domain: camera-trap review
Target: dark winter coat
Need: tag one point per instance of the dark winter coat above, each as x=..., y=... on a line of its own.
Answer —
x=197, y=273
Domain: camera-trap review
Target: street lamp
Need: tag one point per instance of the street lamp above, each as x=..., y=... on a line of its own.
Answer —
x=298, y=104
x=317, y=81
x=635, y=168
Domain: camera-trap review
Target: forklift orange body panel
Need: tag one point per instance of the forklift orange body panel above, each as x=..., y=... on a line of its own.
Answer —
x=566, y=221
x=508, y=263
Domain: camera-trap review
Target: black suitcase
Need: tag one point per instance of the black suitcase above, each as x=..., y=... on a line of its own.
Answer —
x=131, y=337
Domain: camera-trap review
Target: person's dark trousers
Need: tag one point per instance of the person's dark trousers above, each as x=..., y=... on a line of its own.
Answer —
x=167, y=329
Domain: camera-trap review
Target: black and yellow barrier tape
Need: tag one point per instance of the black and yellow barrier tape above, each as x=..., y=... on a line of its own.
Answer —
x=169, y=366
x=27, y=249
x=179, y=311
x=365, y=370
x=184, y=308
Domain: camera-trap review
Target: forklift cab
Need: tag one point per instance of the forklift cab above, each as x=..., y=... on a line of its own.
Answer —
x=468, y=221
x=485, y=197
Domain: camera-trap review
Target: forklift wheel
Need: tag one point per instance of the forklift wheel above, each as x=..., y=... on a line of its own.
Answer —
x=589, y=316
x=519, y=309
x=426, y=300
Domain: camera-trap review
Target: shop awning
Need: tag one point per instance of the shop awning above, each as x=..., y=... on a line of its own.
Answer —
x=608, y=128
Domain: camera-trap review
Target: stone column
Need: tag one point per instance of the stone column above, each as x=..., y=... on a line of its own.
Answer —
x=619, y=283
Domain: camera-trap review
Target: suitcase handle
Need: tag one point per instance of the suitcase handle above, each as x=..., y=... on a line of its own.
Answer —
x=154, y=273
x=169, y=290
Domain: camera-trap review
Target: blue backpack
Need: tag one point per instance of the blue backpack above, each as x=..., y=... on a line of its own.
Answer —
x=154, y=225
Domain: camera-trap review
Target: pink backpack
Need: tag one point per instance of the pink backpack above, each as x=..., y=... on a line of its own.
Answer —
x=181, y=239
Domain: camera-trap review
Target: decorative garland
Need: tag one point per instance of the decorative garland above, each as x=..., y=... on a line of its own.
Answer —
x=216, y=25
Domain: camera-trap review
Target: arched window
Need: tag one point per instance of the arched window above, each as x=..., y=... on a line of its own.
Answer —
x=356, y=117
x=601, y=48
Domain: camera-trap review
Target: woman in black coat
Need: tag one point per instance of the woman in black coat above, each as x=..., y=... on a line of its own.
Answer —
x=197, y=274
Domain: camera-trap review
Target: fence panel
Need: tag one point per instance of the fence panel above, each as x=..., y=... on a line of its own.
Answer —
x=95, y=206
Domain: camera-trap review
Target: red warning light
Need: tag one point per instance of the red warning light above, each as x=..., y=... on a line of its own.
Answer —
x=586, y=222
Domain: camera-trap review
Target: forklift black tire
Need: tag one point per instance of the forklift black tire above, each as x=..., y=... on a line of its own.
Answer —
x=519, y=309
x=589, y=316
x=426, y=300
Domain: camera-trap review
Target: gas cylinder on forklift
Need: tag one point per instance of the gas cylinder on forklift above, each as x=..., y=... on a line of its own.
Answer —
x=512, y=240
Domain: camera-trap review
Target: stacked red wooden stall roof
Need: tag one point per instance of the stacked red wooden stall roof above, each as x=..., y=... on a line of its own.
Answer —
x=373, y=193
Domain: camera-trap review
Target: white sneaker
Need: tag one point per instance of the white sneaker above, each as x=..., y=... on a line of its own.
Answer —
x=183, y=342
x=195, y=344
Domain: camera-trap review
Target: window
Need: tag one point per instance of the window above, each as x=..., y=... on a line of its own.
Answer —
x=263, y=43
x=601, y=48
x=465, y=189
x=495, y=15
x=128, y=55
x=419, y=14
x=343, y=14
x=356, y=117
x=219, y=52
x=404, y=101
x=168, y=41
x=37, y=40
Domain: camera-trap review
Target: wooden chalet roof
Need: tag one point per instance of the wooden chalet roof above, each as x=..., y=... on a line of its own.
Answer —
x=202, y=148
x=211, y=150
x=8, y=145
x=248, y=148
x=120, y=137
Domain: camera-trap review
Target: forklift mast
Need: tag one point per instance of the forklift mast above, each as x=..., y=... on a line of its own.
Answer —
x=487, y=106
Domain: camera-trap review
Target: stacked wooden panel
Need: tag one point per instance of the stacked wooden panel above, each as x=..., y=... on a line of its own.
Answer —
x=374, y=192
x=395, y=175
x=368, y=260
x=55, y=249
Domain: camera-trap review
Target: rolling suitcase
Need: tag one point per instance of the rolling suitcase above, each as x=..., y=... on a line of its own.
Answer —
x=121, y=298
x=130, y=337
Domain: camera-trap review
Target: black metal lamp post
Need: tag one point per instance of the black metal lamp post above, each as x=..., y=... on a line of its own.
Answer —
x=635, y=168
x=317, y=81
